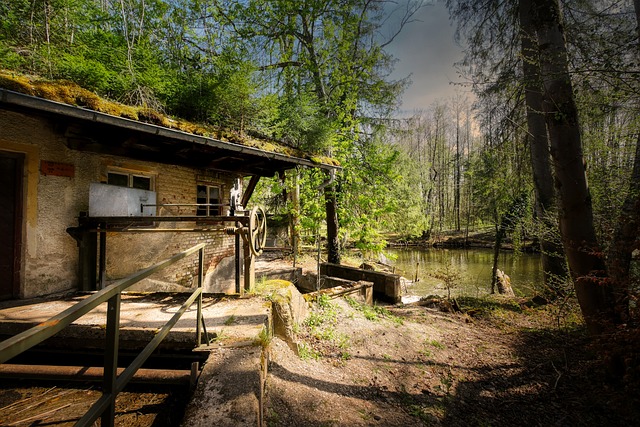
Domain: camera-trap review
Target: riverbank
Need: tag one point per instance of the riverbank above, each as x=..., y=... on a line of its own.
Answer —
x=484, y=238
x=500, y=364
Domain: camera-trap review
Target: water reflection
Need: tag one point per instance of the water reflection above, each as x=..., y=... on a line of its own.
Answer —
x=473, y=265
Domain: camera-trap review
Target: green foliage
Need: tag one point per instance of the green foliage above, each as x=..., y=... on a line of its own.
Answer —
x=9, y=58
x=367, y=199
x=321, y=325
x=449, y=275
x=264, y=337
x=487, y=306
x=94, y=74
x=249, y=66
x=327, y=313
x=491, y=190
x=306, y=352
x=436, y=344
x=373, y=313
x=324, y=302
x=297, y=120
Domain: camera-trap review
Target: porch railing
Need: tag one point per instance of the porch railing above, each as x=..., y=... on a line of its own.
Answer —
x=104, y=407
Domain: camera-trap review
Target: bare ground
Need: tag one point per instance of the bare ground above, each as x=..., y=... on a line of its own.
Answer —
x=413, y=365
x=503, y=364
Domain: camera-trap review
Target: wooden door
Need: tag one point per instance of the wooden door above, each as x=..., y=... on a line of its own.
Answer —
x=11, y=177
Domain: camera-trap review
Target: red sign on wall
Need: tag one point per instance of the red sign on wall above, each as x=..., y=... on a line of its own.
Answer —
x=57, y=169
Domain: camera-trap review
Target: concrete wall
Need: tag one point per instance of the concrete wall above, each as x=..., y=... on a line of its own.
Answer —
x=386, y=286
x=52, y=204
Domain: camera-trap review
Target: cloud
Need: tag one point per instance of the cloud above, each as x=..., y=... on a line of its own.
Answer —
x=426, y=51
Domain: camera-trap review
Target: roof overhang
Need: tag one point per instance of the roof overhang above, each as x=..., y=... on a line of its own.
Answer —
x=88, y=130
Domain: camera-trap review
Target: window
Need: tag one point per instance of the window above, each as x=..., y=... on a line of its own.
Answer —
x=131, y=180
x=208, y=195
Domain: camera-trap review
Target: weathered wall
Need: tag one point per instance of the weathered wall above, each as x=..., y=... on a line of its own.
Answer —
x=52, y=204
x=130, y=252
x=49, y=254
x=386, y=286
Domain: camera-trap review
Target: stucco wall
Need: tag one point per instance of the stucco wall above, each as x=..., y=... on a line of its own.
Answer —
x=52, y=204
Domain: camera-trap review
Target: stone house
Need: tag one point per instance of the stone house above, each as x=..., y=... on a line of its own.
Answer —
x=72, y=177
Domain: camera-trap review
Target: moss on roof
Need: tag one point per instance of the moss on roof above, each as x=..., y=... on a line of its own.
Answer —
x=70, y=93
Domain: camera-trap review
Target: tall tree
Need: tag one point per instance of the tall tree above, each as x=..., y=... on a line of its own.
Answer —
x=584, y=255
x=553, y=258
x=334, y=47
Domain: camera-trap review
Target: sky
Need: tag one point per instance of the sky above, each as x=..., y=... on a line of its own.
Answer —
x=426, y=50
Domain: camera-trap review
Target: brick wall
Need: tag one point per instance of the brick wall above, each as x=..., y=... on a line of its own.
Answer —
x=173, y=185
x=49, y=257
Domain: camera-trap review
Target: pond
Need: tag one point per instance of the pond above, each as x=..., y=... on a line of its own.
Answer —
x=473, y=266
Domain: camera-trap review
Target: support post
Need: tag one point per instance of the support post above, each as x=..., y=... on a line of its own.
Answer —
x=249, y=268
x=238, y=262
x=102, y=274
x=88, y=248
x=249, y=263
x=111, y=359
x=200, y=280
x=249, y=190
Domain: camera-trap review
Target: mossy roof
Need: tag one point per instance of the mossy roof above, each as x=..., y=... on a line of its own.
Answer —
x=70, y=93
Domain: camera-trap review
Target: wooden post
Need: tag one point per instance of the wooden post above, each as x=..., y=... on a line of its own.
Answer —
x=88, y=248
x=110, y=375
x=238, y=262
x=249, y=265
x=249, y=268
x=102, y=273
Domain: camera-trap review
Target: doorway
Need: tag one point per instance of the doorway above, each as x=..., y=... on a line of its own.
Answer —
x=11, y=202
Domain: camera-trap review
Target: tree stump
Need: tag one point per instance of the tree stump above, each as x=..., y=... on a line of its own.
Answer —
x=504, y=284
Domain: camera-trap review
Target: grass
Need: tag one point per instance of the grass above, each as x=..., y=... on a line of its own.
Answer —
x=437, y=344
x=306, y=352
x=488, y=306
x=264, y=338
x=321, y=325
x=373, y=313
x=327, y=314
x=345, y=355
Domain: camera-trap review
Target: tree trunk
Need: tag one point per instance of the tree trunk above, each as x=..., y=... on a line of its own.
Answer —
x=294, y=215
x=456, y=196
x=553, y=258
x=496, y=255
x=586, y=263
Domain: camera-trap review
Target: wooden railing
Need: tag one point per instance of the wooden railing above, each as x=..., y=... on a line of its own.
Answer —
x=113, y=384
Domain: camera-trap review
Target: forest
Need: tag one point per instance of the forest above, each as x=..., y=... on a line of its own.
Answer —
x=547, y=148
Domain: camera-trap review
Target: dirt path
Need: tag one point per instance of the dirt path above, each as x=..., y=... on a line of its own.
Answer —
x=413, y=365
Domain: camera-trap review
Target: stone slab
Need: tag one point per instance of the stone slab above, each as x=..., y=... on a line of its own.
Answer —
x=230, y=389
